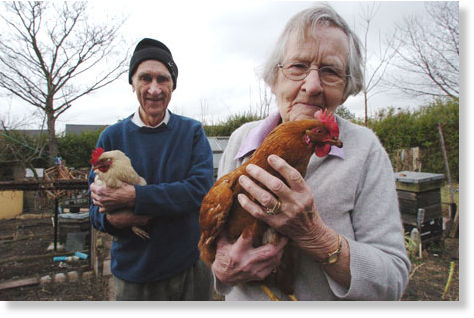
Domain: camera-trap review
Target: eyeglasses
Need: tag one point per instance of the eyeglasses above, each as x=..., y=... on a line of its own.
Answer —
x=328, y=75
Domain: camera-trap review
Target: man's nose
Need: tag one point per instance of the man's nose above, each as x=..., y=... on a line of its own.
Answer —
x=154, y=88
x=312, y=83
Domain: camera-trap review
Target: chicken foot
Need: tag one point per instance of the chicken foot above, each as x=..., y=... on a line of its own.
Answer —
x=141, y=232
x=273, y=297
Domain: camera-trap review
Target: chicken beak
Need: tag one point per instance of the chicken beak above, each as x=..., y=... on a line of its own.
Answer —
x=334, y=141
x=99, y=165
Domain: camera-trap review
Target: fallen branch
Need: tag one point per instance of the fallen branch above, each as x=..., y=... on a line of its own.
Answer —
x=448, y=282
x=19, y=283
x=414, y=270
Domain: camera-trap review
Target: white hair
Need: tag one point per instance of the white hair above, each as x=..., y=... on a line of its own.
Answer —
x=307, y=21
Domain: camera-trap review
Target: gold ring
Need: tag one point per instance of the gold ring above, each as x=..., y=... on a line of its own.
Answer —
x=275, y=210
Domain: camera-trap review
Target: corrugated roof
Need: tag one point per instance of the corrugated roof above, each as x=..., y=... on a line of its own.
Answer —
x=218, y=144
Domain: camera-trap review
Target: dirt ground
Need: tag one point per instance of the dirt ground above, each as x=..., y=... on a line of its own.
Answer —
x=23, y=250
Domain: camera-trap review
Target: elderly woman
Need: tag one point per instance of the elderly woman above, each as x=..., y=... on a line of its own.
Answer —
x=353, y=246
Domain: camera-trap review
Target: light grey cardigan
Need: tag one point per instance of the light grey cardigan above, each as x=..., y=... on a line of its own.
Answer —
x=356, y=197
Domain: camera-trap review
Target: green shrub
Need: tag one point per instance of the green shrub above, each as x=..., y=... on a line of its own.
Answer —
x=232, y=123
x=419, y=128
x=76, y=149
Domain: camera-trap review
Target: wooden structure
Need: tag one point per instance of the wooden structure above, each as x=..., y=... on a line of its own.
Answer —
x=56, y=182
x=419, y=197
x=101, y=243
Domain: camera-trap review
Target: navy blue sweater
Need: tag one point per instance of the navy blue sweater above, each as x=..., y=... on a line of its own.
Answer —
x=176, y=162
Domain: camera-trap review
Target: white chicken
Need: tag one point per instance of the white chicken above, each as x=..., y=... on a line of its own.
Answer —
x=112, y=169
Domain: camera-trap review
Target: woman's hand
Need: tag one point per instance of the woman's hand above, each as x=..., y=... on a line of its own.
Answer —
x=112, y=199
x=240, y=262
x=297, y=216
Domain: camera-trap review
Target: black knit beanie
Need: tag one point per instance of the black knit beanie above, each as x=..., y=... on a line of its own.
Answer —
x=149, y=49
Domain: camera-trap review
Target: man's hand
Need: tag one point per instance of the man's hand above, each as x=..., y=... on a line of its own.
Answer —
x=112, y=199
x=240, y=262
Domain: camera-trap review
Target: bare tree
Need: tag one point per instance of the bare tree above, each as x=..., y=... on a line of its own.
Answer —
x=19, y=147
x=427, y=61
x=27, y=148
x=51, y=54
x=380, y=60
x=265, y=97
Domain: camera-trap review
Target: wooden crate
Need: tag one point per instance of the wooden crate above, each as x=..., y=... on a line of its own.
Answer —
x=410, y=199
x=418, y=181
x=419, y=190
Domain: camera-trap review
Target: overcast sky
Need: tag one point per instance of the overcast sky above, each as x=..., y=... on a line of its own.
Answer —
x=219, y=47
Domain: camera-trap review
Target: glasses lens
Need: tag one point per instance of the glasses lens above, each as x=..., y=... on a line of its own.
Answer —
x=330, y=76
x=296, y=71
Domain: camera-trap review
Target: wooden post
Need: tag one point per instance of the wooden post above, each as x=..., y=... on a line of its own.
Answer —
x=454, y=227
x=420, y=219
x=56, y=207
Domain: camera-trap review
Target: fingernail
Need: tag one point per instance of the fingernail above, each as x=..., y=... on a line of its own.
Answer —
x=272, y=158
x=243, y=179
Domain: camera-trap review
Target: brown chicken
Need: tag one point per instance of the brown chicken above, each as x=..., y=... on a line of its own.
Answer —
x=113, y=168
x=221, y=213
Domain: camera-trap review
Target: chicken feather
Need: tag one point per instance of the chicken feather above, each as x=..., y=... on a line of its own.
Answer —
x=221, y=213
x=113, y=168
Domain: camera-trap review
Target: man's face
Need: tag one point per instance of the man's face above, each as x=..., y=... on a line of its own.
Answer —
x=301, y=99
x=153, y=85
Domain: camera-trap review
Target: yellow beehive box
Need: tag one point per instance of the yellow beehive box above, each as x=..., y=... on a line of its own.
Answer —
x=11, y=204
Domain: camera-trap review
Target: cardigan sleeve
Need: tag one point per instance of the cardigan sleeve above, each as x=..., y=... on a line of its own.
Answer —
x=378, y=261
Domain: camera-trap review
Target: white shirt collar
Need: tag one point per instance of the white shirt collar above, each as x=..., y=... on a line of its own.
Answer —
x=138, y=121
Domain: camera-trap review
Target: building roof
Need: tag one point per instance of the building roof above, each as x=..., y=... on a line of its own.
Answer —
x=28, y=132
x=77, y=129
x=218, y=145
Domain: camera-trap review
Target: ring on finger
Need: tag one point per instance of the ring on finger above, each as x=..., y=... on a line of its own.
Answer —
x=275, y=210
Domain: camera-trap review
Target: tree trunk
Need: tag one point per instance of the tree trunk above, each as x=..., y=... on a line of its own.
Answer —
x=52, y=142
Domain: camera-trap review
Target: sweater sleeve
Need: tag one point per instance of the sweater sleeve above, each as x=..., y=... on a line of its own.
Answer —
x=184, y=196
x=378, y=261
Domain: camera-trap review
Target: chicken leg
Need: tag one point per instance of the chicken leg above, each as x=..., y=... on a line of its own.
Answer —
x=140, y=232
x=273, y=297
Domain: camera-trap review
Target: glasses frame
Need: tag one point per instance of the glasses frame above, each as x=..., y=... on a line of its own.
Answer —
x=308, y=70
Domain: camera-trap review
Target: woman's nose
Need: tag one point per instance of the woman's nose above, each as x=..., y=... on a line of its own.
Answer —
x=312, y=83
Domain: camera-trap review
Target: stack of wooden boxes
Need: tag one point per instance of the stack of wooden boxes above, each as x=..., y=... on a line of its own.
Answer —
x=419, y=196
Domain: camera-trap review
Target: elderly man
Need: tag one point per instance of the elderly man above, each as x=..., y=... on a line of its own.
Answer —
x=173, y=155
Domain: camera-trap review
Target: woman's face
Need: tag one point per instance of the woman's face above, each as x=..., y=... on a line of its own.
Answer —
x=301, y=99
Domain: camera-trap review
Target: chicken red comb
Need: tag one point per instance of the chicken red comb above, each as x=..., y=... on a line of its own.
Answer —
x=328, y=119
x=96, y=153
